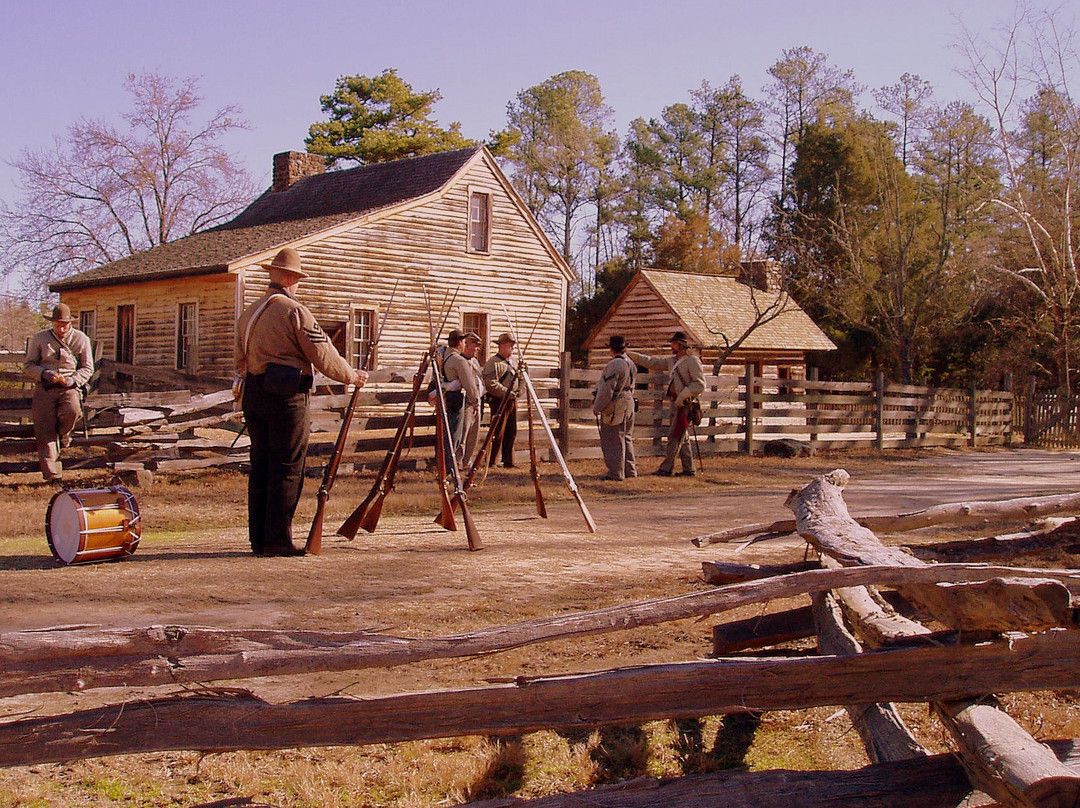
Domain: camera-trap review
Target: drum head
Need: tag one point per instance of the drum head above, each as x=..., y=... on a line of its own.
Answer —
x=65, y=527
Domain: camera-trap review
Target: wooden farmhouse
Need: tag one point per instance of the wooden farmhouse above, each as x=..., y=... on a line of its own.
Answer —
x=713, y=311
x=450, y=223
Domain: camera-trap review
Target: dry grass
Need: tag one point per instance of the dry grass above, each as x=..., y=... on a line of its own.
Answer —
x=529, y=570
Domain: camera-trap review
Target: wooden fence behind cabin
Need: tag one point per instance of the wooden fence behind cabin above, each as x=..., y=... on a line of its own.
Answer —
x=823, y=414
x=156, y=430
x=1049, y=418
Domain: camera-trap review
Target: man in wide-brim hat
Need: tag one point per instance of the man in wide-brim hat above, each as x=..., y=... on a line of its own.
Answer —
x=60, y=360
x=613, y=406
x=686, y=381
x=278, y=347
x=500, y=378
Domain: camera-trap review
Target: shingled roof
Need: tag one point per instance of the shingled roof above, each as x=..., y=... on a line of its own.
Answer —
x=310, y=205
x=724, y=304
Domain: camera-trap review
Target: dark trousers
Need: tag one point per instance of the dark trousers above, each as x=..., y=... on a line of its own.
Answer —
x=279, y=427
x=505, y=444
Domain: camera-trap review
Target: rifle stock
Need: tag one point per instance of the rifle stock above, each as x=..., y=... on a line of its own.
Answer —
x=313, y=545
x=442, y=441
x=570, y=484
x=449, y=459
x=384, y=480
x=534, y=471
x=494, y=431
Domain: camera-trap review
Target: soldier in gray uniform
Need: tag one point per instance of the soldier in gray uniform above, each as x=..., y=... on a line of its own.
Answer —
x=277, y=343
x=614, y=404
x=61, y=361
x=462, y=388
x=685, y=382
x=499, y=377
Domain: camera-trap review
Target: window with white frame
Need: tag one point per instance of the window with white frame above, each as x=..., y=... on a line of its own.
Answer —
x=125, y=334
x=477, y=323
x=362, y=320
x=88, y=324
x=187, y=337
x=479, y=222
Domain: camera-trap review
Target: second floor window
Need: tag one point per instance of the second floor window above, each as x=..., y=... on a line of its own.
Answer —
x=479, y=222
x=125, y=334
x=186, y=336
x=361, y=336
x=88, y=324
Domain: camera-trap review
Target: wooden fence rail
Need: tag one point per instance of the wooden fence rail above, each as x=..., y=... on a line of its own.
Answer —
x=155, y=430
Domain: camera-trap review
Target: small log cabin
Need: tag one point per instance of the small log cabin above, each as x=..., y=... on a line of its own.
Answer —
x=450, y=222
x=714, y=311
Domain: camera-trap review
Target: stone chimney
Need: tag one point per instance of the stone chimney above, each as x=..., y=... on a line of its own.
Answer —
x=766, y=275
x=291, y=166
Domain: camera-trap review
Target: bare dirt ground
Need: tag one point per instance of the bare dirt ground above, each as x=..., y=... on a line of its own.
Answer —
x=411, y=578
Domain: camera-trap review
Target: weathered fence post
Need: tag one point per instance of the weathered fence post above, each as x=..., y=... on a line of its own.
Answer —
x=973, y=414
x=879, y=409
x=1007, y=387
x=1029, y=411
x=748, y=410
x=811, y=418
x=564, y=404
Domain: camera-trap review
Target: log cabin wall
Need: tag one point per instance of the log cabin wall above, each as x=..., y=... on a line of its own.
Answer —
x=157, y=306
x=357, y=265
x=644, y=319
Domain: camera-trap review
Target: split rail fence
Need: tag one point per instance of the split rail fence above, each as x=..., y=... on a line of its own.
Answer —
x=129, y=431
x=1000, y=629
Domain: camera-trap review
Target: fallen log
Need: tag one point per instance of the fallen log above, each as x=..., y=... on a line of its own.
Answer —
x=210, y=721
x=1049, y=535
x=999, y=756
x=763, y=631
x=34, y=662
x=721, y=572
x=883, y=732
x=932, y=782
x=1004, y=761
x=1022, y=508
x=1003, y=604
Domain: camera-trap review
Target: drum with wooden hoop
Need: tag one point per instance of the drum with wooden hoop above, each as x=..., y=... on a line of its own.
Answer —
x=93, y=524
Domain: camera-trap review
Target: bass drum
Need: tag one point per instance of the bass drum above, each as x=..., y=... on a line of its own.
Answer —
x=93, y=524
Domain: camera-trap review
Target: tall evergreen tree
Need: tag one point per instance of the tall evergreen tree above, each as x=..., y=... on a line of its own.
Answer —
x=558, y=143
x=378, y=118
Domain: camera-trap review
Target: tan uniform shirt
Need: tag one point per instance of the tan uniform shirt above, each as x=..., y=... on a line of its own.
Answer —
x=466, y=371
x=286, y=333
x=616, y=381
x=497, y=372
x=71, y=356
x=687, y=376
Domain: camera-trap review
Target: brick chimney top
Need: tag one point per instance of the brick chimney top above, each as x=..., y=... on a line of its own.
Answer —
x=291, y=166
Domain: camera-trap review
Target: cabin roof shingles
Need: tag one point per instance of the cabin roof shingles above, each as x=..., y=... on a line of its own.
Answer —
x=712, y=303
x=310, y=205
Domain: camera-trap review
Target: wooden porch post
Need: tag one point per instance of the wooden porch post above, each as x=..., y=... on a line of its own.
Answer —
x=564, y=404
x=1007, y=387
x=1029, y=411
x=748, y=410
x=879, y=409
x=973, y=414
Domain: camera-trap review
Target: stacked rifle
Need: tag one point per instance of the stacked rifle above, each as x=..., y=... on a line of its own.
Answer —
x=453, y=484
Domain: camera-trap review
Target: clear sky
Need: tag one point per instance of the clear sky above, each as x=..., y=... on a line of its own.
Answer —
x=63, y=60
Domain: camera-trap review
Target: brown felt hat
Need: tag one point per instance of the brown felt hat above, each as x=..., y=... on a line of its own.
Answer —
x=506, y=336
x=61, y=314
x=455, y=336
x=287, y=260
x=680, y=337
x=472, y=337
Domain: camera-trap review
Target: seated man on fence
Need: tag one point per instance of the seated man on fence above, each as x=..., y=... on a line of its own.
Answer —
x=61, y=361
